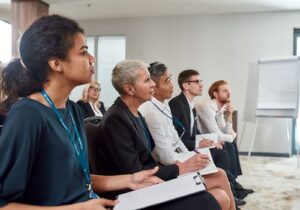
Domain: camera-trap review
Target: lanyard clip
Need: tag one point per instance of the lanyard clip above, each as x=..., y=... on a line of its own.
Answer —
x=92, y=194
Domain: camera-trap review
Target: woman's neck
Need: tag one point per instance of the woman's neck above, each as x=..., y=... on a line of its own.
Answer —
x=132, y=103
x=58, y=95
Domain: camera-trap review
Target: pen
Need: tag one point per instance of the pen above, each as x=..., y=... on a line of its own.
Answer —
x=195, y=150
x=198, y=152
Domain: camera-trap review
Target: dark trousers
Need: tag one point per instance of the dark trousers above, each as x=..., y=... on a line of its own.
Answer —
x=202, y=200
x=221, y=160
x=234, y=160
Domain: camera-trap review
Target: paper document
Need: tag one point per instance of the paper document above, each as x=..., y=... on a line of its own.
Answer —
x=211, y=136
x=155, y=194
x=209, y=169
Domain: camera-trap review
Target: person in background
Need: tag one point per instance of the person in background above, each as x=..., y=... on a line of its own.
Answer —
x=215, y=116
x=125, y=143
x=182, y=107
x=7, y=99
x=90, y=100
x=169, y=147
x=43, y=144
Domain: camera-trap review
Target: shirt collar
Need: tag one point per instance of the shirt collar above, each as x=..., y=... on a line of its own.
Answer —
x=191, y=103
x=162, y=106
x=215, y=105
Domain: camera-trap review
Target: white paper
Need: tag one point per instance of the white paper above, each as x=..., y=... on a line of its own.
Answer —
x=278, y=87
x=210, y=168
x=155, y=194
x=211, y=136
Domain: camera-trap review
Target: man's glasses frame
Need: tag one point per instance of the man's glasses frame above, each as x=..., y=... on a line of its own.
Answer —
x=194, y=81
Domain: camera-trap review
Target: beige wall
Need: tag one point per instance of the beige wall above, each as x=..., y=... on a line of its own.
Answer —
x=219, y=46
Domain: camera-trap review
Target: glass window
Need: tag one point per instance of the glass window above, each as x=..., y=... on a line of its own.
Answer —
x=111, y=50
x=5, y=42
x=90, y=41
x=77, y=91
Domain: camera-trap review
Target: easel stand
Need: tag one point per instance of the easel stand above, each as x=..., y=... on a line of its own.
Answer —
x=297, y=142
x=287, y=143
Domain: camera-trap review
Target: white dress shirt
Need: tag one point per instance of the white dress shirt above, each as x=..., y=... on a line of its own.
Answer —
x=212, y=120
x=165, y=136
x=95, y=109
x=192, y=106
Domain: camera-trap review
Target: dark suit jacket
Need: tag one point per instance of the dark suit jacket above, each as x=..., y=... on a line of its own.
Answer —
x=181, y=110
x=87, y=109
x=122, y=146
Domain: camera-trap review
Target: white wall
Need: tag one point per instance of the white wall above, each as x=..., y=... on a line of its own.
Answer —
x=219, y=46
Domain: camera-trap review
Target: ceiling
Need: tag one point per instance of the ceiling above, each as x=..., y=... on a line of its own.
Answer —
x=100, y=9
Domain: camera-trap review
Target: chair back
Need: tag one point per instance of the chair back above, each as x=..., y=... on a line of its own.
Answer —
x=93, y=135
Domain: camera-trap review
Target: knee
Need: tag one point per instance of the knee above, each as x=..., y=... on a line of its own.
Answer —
x=222, y=174
x=223, y=199
x=211, y=202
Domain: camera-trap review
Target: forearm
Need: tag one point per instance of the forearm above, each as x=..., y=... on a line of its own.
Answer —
x=229, y=129
x=225, y=137
x=110, y=183
x=18, y=206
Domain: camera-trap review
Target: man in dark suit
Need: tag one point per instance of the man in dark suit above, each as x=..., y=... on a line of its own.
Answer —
x=125, y=143
x=182, y=108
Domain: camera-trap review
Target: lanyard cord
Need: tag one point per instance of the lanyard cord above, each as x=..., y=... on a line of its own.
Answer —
x=79, y=151
x=173, y=118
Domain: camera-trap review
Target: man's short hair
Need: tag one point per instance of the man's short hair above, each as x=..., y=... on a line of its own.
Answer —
x=156, y=70
x=126, y=72
x=215, y=87
x=185, y=76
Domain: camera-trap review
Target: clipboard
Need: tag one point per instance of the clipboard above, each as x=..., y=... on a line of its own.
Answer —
x=176, y=188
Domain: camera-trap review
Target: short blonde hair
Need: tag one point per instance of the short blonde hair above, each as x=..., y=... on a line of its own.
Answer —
x=126, y=72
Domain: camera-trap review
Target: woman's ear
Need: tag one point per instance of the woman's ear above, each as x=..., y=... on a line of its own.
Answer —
x=129, y=89
x=55, y=64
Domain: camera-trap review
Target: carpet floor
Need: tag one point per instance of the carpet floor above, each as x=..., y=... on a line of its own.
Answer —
x=276, y=182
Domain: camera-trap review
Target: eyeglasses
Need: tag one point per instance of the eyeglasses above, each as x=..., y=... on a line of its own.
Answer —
x=95, y=89
x=195, y=81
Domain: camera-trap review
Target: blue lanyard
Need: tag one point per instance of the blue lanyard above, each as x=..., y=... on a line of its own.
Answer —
x=173, y=118
x=79, y=149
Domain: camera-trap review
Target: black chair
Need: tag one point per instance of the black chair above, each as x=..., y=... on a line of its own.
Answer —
x=92, y=135
x=93, y=119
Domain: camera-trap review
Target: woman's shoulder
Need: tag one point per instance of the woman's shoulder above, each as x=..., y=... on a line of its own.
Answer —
x=81, y=102
x=29, y=106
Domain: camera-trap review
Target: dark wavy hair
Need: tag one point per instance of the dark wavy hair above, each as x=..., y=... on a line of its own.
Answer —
x=48, y=37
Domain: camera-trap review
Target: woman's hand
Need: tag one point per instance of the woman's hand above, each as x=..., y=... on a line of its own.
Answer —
x=218, y=145
x=206, y=143
x=144, y=178
x=97, y=204
x=194, y=163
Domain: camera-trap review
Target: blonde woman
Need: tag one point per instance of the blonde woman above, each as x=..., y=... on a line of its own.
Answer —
x=89, y=102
